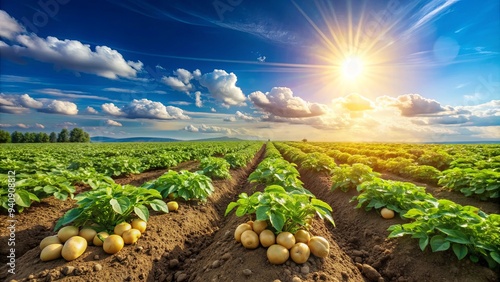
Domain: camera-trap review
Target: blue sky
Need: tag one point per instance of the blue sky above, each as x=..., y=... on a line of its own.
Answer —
x=322, y=70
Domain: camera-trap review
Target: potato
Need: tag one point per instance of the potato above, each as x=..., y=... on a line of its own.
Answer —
x=172, y=206
x=267, y=238
x=51, y=252
x=249, y=239
x=286, y=239
x=387, y=213
x=88, y=234
x=113, y=244
x=131, y=236
x=98, y=242
x=259, y=226
x=300, y=253
x=73, y=248
x=122, y=227
x=242, y=227
x=49, y=240
x=302, y=236
x=277, y=254
x=67, y=232
x=319, y=246
x=139, y=224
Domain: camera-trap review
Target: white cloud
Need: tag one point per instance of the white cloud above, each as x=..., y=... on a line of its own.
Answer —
x=26, y=101
x=245, y=117
x=90, y=110
x=120, y=90
x=208, y=129
x=70, y=94
x=355, y=102
x=261, y=59
x=412, y=104
x=111, y=122
x=66, y=124
x=198, y=101
x=213, y=110
x=281, y=102
x=111, y=109
x=181, y=82
x=67, y=54
x=9, y=27
x=222, y=86
x=145, y=108
x=60, y=107
x=20, y=104
x=229, y=119
x=39, y=125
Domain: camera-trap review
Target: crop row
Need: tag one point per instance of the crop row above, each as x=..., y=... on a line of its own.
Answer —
x=441, y=223
x=483, y=183
x=46, y=174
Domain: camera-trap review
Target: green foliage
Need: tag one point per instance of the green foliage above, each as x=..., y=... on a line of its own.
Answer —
x=286, y=211
x=184, y=184
x=109, y=204
x=348, y=177
x=215, y=168
x=395, y=195
x=484, y=183
x=438, y=159
x=22, y=198
x=318, y=162
x=4, y=136
x=464, y=229
x=422, y=173
x=276, y=171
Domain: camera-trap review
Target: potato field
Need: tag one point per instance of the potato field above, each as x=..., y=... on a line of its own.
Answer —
x=250, y=211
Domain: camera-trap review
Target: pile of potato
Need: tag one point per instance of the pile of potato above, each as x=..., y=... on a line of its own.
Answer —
x=71, y=242
x=298, y=246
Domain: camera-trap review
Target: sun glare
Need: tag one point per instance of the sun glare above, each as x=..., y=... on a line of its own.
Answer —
x=352, y=68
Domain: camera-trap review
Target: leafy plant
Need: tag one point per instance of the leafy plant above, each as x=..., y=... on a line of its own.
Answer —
x=318, y=162
x=348, y=177
x=276, y=171
x=464, y=229
x=286, y=211
x=484, y=183
x=215, y=167
x=394, y=195
x=110, y=204
x=184, y=184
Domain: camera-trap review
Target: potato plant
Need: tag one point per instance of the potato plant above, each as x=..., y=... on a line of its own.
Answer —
x=286, y=211
x=216, y=168
x=111, y=204
x=345, y=177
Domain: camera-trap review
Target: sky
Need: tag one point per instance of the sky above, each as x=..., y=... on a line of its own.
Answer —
x=347, y=70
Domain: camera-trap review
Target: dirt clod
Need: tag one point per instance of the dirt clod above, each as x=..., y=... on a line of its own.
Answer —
x=370, y=272
x=68, y=270
x=247, y=272
x=97, y=267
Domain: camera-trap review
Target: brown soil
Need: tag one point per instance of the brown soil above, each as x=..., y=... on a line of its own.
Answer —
x=194, y=244
x=491, y=206
x=38, y=221
x=363, y=236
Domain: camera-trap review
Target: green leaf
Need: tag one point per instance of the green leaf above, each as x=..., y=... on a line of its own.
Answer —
x=277, y=221
x=439, y=243
x=230, y=207
x=120, y=205
x=459, y=250
x=22, y=198
x=142, y=212
x=423, y=242
x=495, y=256
x=68, y=217
x=159, y=205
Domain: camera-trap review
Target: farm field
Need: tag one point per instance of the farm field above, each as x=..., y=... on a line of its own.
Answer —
x=446, y=200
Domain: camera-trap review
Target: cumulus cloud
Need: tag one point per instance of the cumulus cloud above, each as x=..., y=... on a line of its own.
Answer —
x=9, y=27
x=198, y=101
x=208, y=129
x=90, y=110
x=144, y=108
x=229, y=119
x=20, y=104
x=22, y=125
x=222, y=87
x=412, y=104
x=39, y=125
x=181, y=80
x=60, y=107
x=355, y=102
x=111, y=122
x=280, y=102
x=66, y=54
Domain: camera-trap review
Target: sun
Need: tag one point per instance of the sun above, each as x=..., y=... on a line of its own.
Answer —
x=352, y=68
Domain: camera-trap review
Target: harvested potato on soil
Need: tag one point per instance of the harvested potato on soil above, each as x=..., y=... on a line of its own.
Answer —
x=319, y=246
x=277, y=254
x=73, y=248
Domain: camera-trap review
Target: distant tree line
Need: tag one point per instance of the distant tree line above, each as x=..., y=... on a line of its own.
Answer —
x=75, y=135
